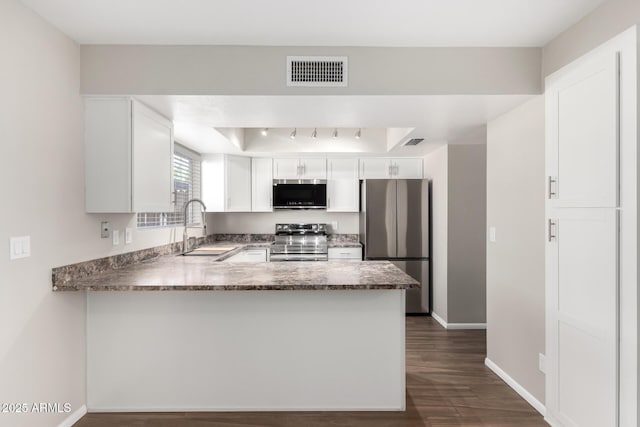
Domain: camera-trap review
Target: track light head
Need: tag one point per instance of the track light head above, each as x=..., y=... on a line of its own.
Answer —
x=359, y=133
x=334, y=135
x=314, y=134
x=264, y=131
x=294, y=133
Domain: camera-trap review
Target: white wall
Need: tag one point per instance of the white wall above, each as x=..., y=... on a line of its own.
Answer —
x=264, y=222
x=42, y=334
x=605, y=22
x=436, y=169
x=515, y=261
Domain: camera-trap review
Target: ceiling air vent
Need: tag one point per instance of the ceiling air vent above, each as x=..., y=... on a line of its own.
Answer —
x=414, y=141
x=317, y=71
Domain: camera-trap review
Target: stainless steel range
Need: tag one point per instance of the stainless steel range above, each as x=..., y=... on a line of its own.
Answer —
x=300, y=242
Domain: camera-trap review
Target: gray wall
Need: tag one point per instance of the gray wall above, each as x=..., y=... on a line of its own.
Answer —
x=608, y=20
x=250, y=70
x=466, y=228
x=436, y=167
x=457, y=174
x=515, y=261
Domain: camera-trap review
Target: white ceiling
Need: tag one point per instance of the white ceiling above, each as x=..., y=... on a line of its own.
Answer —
x=319, y=23
x=437, y=118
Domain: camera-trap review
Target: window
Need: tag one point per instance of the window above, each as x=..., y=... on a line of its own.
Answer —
x=186, y=186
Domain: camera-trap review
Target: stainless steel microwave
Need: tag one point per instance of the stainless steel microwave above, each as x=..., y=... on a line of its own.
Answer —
x=299, y=194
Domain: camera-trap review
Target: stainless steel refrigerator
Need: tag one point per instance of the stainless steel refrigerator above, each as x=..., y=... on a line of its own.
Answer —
x=394, y=226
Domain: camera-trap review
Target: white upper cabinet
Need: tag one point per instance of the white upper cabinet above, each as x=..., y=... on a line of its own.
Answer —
x=582, y=135
x=407, y=168
x=128, y=157
x=312, y=168
x=343, y=186
x=342, y=169
x=391, y=168
x=226, y=183
x=261, y=185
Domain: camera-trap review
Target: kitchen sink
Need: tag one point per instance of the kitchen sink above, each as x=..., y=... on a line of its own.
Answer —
x=211, y=251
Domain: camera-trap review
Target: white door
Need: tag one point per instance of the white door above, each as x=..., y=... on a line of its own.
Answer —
x=152, y=161
x=286, y=168
x=313, y=168
x=582, y=164
x=582, y=313
x=238, y=184
x=375, y=168
x=407, y=168
x=582, y=135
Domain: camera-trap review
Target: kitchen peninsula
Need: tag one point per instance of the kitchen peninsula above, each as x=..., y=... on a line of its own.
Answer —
x=215, y=336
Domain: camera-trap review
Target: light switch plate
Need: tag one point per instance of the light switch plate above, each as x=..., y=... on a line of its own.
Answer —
x=19, y=247
x=334, y=226
x=116, y=237
x=492, y=234
x=128, y=236
x=542, y=363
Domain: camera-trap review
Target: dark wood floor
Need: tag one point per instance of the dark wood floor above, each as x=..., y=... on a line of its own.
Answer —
x=447, y=385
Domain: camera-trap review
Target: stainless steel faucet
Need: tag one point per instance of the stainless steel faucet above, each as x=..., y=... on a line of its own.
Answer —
x=185, y=236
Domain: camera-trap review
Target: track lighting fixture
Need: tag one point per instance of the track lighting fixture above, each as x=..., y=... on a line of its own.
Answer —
x=358, y=133
x=294, y=133
x=264, y=131
x=314, y=134
x=334, y=135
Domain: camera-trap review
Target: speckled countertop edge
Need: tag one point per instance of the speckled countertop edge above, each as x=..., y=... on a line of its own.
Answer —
x=81, y=276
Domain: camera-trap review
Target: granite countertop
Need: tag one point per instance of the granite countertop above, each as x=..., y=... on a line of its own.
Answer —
x=194, y=273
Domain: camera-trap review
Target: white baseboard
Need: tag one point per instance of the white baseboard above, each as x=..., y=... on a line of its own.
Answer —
x=537, y=405
x=457, y=325
x=74, y=417
x=438, y=319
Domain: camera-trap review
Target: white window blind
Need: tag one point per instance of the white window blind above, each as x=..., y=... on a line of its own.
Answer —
x=186, y=186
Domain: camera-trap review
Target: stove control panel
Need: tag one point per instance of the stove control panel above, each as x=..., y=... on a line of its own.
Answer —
x=301, y=228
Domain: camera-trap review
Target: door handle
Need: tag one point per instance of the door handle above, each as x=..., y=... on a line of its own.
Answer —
x=552, y=230
x=552, y=190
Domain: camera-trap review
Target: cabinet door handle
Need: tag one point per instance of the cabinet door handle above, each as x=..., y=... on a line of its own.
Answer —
x=552, y=230
x=552, y=188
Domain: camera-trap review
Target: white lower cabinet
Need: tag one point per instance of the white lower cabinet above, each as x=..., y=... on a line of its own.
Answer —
x=345, y=254
x=249, y=255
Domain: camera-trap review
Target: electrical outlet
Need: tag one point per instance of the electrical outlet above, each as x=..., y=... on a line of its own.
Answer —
x=334, y=226
x=542, y=363
x=116, y=237
x=492, y=234
x=104, y=230
x=128, y=236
